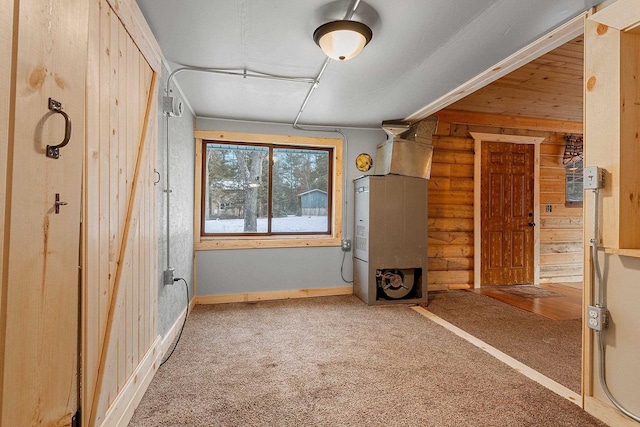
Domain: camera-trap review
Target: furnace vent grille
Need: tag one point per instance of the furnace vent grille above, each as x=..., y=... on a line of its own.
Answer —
x=361, y=238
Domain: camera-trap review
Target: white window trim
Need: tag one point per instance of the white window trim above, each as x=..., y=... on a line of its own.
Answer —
x=254, y=242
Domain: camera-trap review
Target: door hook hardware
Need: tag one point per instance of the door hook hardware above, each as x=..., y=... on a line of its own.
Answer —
x=53, y=151
x=158, y=174
x=532, y=224
x=58, y=203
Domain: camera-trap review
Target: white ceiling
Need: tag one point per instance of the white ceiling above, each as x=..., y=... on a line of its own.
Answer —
x=421, y=49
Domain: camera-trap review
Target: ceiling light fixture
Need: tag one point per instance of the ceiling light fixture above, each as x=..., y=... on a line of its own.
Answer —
x=342, y=40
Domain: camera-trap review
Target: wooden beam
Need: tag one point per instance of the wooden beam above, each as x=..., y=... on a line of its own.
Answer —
x=559, y=36
x=622, y=15
x=513, y=122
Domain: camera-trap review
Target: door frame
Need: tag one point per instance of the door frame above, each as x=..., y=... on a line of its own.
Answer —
x=479, y=137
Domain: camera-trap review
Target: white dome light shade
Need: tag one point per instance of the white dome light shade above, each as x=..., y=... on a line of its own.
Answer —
x=342, y=40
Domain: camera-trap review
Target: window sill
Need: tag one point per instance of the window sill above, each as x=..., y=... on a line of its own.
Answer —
x=264, y=243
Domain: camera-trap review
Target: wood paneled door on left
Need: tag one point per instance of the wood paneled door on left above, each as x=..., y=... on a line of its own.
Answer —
x=41, y=248
x=507, y=213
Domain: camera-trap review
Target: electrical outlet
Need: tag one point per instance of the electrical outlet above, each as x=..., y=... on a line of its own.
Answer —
x=346, y=245
x=167, y=278
x=597, y=317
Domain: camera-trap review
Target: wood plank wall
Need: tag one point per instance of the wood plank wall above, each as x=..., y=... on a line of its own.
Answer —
x=561, y=250
x=451, y=209
x=120, y=278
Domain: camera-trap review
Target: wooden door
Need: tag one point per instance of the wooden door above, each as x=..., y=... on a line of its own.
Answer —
x=40, y=288
x=507, y=213
x=121, y=343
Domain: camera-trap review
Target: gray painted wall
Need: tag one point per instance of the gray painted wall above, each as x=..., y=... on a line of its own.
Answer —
x=260, y=270
x=172, y=299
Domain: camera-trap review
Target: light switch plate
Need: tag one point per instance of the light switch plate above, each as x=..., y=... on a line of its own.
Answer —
x=593, y=178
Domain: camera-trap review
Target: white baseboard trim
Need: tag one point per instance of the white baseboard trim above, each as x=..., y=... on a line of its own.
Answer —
x=121, y=411
x=606, y=413
x=530, y=373
x=274, y=295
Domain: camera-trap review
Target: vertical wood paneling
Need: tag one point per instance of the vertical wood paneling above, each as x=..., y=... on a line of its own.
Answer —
x=145, y=308
x=124, y=336
x=451, y=209
x=91, y=205
x=120, y=282
x=6, y=41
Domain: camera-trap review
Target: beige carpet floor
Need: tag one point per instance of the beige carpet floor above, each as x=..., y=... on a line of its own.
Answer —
x=551, y=347
x=337, y=362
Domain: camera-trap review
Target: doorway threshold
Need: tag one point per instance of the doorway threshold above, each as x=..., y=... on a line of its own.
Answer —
x=554, y=301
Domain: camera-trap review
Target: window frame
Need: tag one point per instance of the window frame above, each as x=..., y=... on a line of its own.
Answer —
x=271, y=148
x=209, y=241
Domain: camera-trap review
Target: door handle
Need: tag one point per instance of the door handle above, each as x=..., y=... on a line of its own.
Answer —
x=58, y=203
x=53, y=151
x=532, y=224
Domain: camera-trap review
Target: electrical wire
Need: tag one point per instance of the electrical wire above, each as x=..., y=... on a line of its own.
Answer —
x=344, y=254
x=345, y=216
x=168, y=189
x=313, y=87
x=598, y=283
x=186, y=314
x=599, y=286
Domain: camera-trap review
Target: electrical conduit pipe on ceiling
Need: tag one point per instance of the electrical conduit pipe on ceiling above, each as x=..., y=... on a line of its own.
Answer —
x=245, y=73
x=254, y=74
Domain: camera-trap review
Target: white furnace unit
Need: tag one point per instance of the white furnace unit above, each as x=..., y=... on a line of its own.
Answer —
x=390, y=250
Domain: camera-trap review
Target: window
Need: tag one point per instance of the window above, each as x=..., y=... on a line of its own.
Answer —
x=572, y=160
x=263, y=192
x=574, y=183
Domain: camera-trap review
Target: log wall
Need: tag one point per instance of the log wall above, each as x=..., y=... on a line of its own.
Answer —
x=451, y=209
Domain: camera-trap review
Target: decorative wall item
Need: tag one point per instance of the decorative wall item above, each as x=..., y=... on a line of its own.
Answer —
x=364, y=162
x=573, y=149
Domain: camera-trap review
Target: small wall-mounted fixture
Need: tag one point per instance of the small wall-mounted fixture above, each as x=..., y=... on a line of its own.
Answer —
x=343, y=39
x=172, y=106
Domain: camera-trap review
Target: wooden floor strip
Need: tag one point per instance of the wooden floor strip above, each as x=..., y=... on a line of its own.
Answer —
x=566, y=306
x=530, y=373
